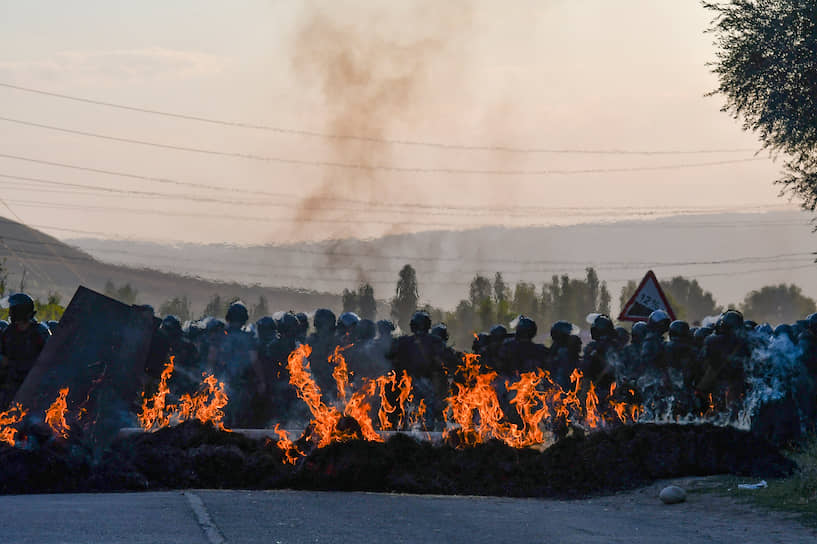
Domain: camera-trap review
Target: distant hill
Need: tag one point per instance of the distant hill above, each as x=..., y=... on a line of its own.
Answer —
x=49, y=265
x=730, y=254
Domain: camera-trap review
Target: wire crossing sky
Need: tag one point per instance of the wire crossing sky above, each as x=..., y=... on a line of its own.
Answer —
x=289, y=121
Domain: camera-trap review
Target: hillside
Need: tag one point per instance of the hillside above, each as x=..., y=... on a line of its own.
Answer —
x=730, y=254
x=49, y=265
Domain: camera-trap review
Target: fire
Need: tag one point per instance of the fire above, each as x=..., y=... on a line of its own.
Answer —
x=341, y=371
x=591, y=407
x=152, y=414
x=388, y=386
x=474, y=405
x=206, y=404
x=55, y=415
x=286, y=445
x=325, y=418
x=8, y=419
x=532, y=406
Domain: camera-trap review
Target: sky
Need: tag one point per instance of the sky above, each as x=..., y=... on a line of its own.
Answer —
x=359, y=119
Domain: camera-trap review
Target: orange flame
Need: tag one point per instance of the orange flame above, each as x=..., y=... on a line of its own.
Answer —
x=341, y=371
x=387, y=386
x=286, y=445
x=8, y=419
x=206, y=404
x=152, y=414
x=591, y=407
x=55, y=415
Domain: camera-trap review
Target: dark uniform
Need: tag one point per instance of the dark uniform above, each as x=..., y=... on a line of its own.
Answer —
x=422, y=357
x=20, y=345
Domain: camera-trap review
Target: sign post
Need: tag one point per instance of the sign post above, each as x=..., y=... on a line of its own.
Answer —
x=647, y=298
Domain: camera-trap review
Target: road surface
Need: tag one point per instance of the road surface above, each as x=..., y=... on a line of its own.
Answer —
x=210, y=517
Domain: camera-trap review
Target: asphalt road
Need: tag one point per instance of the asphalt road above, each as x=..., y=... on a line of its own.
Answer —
x=210, y=517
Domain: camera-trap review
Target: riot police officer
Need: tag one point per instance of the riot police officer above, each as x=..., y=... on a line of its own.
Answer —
x=20, y=345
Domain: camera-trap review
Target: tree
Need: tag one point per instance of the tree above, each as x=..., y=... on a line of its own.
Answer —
x=767, y=71
x=51, y=309
x=178, y=306
x=4, y=277
x=777, y=304
x=350, y=301
x=367, y=305
x=501, y=291
x=260, y=309
x=126, y=293
x=214, y=308
x=688, y=299
x=406, y=297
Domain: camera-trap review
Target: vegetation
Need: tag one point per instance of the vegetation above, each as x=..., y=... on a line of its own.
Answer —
x=362, y=301
x=777, y=304
x=125, y=293
x=406, y=297
x=178, y=306
x=767, y=71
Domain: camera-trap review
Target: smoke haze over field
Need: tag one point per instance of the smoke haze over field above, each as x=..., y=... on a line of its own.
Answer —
x=461, y=79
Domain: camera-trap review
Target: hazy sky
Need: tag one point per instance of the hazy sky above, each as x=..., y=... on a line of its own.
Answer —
x=545, y=75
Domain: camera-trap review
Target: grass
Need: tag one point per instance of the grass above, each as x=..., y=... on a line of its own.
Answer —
x=796, y=494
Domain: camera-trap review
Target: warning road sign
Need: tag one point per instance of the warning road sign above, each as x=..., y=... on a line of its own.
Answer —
x=647, y=298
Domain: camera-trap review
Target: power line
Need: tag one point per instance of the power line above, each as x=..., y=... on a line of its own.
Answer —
x=368, y=203
x=415, y=143
x=381, y=167
x=376, y=207
x=601, y=265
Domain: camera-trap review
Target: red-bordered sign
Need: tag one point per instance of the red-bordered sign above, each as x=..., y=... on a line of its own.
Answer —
x=647, y=298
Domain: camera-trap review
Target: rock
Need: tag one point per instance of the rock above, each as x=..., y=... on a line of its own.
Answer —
x=672, y=495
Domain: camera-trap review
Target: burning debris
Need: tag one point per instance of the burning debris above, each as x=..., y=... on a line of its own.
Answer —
x=485, y=426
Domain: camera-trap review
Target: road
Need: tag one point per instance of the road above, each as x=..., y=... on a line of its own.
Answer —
x=215, y=517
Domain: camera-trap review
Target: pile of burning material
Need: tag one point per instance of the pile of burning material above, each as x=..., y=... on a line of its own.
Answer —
x=194, y=454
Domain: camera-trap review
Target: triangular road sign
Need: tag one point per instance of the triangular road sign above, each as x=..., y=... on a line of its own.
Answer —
x=647, y=298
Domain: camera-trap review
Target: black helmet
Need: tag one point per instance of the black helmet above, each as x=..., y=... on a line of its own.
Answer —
x=638, y=332
x=172, y=326
x=784, y=330
x=679, y=329
x=560, y=331
x=731, y=321
x=623, y=336
x=525, y=328
x=288, y=326
x=702, y=332
x=602, y=327
x=21, y=308
x=750, y=325
x=812, y=323
x=266, y=328
x=324, y=320
x=420, y=322
x=237, y=313
x=440, y=330
x=365, y=329
x=303, y=322
x=214, y=325
x=498, y=332
x=3, y=325
x=659, y=321
x=480, y=341
x=385, y=328
x=347, y=322
x=765, y=329
x=52, y=325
